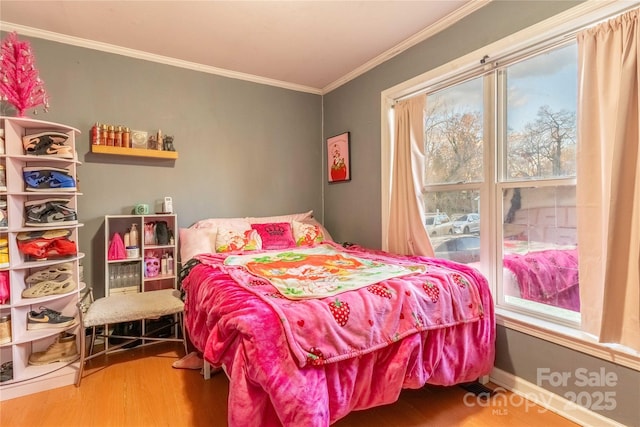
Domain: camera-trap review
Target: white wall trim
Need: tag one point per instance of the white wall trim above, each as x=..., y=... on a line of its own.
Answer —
x=550, y=401
x=422, y=35
x=132, y=53
x=568, y=337
x=565, y=21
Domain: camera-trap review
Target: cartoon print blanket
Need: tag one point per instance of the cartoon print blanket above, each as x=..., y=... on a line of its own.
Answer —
x=373, y=315
x=317, y=272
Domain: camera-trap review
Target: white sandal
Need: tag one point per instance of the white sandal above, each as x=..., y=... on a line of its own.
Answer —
x=65, y=285
x=50, y=273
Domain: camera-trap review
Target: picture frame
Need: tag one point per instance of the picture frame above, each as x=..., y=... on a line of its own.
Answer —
x=339, y=158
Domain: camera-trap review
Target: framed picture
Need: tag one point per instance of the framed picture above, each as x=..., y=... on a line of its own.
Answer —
x=338, y=158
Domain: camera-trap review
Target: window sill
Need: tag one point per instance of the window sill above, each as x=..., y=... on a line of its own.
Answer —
x=568, y=337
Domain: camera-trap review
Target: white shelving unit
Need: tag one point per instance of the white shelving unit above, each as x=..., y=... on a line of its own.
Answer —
x=128, y=275
x=27, y=378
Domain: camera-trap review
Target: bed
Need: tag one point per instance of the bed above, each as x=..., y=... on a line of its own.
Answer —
x=308, y=330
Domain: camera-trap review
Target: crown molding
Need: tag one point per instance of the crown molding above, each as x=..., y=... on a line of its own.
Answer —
x=421, y=36
x=424, y=34
x=132, y=53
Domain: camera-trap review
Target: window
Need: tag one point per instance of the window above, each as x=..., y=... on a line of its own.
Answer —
x=501, y=160
x=533, y=113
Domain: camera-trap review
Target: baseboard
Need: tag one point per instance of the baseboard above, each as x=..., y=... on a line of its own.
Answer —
x=550, y=401
x=60, y=378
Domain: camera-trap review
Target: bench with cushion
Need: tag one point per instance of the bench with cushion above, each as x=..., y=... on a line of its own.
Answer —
x=130, y=307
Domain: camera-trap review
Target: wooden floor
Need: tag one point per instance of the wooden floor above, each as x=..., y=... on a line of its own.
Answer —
x=140, y=388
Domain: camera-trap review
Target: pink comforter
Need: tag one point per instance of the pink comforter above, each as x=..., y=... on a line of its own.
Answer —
x=294, y=363
x=548, y=276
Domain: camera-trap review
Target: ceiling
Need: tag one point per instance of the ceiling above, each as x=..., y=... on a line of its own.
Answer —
x=312, y=46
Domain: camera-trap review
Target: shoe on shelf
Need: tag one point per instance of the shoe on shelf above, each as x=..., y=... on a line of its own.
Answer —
x=42, y=249
x=62, y=284
x=28, y=236
x=3, y=178
x=48, y=179
x=48, y=318
x=2, y=151
x=61, y=248
x=63, y=349
x=48, y=212
x=4, y=252
x=4, y=223
x=5, y=329
x=48, y=144
x=49, y=273
x=43, y=244
x=6, y=371
x=5, y=289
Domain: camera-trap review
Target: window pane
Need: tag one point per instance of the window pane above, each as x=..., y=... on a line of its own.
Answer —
x=541, y=104
x=540, y=247
x=453, y=134
x=451, y=237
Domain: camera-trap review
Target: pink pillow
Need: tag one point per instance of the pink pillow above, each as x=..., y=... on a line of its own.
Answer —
x=275, y=235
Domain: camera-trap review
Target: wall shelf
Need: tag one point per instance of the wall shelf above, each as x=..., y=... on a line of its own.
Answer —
x=134, y=152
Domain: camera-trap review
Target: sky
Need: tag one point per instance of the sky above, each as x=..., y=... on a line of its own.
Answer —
x=546, y=79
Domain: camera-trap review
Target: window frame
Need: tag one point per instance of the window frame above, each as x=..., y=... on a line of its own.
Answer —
x=565, y=24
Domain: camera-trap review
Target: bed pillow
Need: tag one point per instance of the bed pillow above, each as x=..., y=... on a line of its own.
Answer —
x=234, y=239
x=275, y=235
x=195, y=241
x=281, y=218
x=233, y=223
x=325, y=233
x=307, y=234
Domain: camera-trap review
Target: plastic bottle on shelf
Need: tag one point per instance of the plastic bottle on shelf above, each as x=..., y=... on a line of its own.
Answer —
x=170, y=264
x=104, y=130
x=163, y=264
x=126, y=137
x=95, y=134
x=133, y=236
x=111, y=136
x=117, y=142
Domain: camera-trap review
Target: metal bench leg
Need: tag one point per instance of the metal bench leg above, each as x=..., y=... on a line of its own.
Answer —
x=184, y=332
x=83, y=351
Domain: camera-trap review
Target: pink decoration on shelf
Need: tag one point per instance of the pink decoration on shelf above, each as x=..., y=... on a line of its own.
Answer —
x=20, y=84
x=116, y=248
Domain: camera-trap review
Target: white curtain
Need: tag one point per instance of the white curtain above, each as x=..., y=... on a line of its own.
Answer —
x=608, y=190
x=407, y=234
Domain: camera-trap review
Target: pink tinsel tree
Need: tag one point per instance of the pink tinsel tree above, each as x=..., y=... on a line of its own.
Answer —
x=20, y=84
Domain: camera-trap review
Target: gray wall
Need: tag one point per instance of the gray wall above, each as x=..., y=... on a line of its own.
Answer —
x=245, y=149
x=249, y=149
x=352, y=210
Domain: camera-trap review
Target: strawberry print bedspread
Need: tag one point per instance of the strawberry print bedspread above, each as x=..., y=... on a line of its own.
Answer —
x=350, y=324
x=261, y=339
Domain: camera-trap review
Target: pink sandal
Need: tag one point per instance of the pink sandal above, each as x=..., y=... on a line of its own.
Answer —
x=190, y=361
